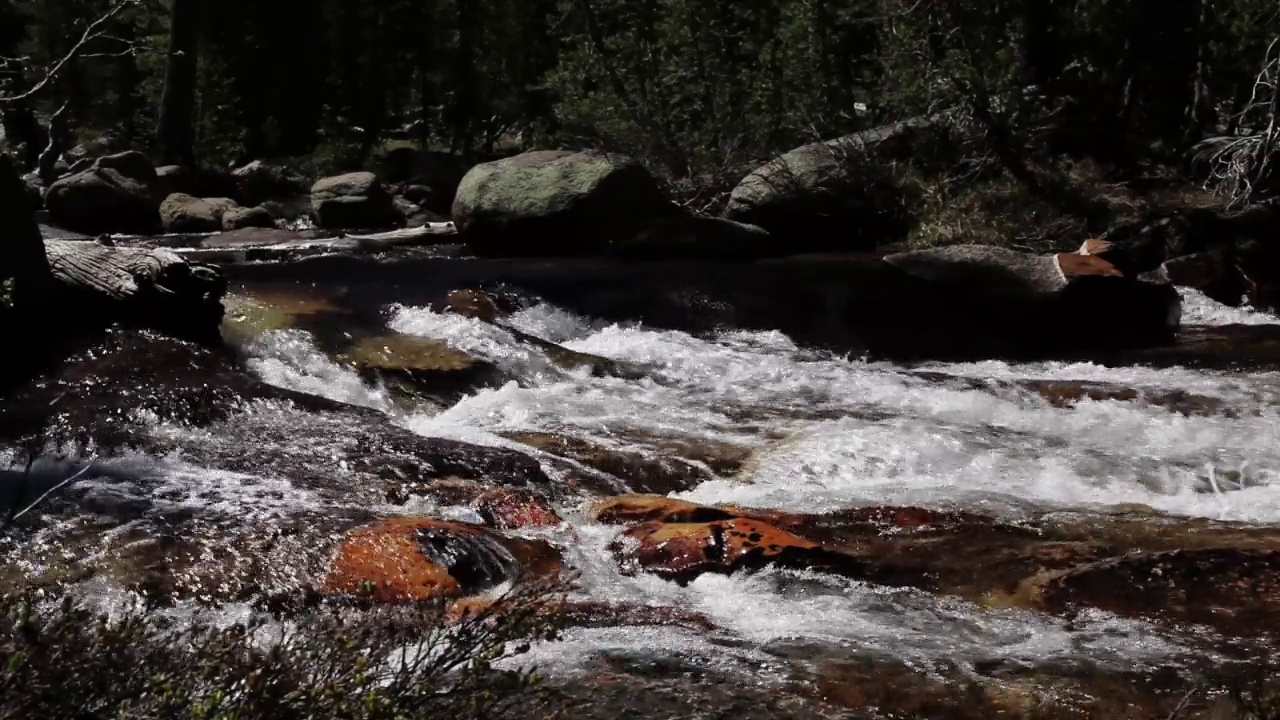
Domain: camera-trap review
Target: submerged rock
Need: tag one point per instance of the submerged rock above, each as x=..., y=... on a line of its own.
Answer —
x=638, y=471
x=417, y=559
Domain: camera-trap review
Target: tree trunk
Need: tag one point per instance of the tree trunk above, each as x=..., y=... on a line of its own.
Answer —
x=176, y=133
x=23, y=265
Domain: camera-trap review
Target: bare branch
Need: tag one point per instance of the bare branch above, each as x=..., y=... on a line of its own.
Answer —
x=94, y=31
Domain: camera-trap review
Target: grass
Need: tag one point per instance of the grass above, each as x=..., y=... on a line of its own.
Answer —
x=62, y=659
x=994, y=209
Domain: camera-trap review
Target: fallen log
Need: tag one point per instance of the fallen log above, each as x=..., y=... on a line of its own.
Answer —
x=431, y=232
x=153, y=288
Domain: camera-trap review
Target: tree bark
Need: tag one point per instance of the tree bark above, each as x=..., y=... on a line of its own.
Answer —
x=22, y=257
x=176, y=132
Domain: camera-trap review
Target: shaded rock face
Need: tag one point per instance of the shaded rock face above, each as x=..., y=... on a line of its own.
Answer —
x=1228, y=255
x=416, y=559
x=556, y=203
x=181, y=213
x=838, y=195
x=260, y=181
x=698, y=236
x=115, y=195
x=427, y=178
x=353, y=201
x=1044, y=300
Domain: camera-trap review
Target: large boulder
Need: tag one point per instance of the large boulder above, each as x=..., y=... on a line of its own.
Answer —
x=1038, y=302
x=181, y=213
x=353, y=201
x=116, y=194
x=556, y=202
x=838, y=195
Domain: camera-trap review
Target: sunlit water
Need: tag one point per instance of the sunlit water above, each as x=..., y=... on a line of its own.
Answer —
x=828, y=433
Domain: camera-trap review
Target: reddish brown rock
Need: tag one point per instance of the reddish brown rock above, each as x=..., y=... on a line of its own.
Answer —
x=412, y=559
x=682, y=551
x=511, y=508
x=629, y=509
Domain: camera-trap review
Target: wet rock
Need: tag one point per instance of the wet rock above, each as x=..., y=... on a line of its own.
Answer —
x=1234, y=590
x=117, y=194
x=1069, y=393
x=636, y=509
x=433, y=176
x=416, y=559
x=682, y=551
x=511, y=508
x=553, y=202
x=241, y=218
x=640, y=472
x=472, y=304
x=355, y=201
x=181, y=213
x=723, y=458
x=431, y=368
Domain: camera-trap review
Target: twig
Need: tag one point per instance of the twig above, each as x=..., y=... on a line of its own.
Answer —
x=79, y=474
x=91, y=33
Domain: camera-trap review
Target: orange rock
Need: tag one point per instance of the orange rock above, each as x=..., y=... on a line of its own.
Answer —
x=628, y=509
x=1074, y=266
x=682, y=551
x=472, y=304
x=510, y=508
x=412, y=559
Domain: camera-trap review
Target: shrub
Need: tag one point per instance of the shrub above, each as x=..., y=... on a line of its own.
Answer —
x=62, y=659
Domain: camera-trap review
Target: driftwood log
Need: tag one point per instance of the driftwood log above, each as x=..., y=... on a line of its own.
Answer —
x=152, y=288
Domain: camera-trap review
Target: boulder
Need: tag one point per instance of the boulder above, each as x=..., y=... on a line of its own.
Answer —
x=556, y=202
x=353, y=201
x=239, y=218
x=181, y=213
x=416, y=559
x=839, y=195
x=1027, y=302
x=260, y=181
x=114, y=195
x=514, y=508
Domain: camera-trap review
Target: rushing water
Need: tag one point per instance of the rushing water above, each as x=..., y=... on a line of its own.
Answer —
x=832, y=433
x=827, y=433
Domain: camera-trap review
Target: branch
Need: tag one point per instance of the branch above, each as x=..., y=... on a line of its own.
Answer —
x=93, y=32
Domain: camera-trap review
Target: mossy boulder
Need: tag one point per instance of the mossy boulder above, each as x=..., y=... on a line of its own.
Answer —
x=556, y=202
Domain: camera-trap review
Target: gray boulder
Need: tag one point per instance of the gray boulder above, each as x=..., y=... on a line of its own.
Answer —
x=116, y=194
x=182, y=213
x=839, y=195
x=556, y=202
x=241, y=218
x=353, y=201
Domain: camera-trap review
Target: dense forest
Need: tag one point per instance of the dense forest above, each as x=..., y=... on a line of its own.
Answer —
x=700, y=90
